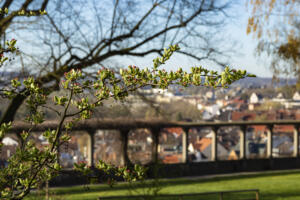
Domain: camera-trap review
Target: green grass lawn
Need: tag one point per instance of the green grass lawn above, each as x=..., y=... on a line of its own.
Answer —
x=272, y=186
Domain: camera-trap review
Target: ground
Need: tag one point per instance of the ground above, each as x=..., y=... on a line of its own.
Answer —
x=272, y=185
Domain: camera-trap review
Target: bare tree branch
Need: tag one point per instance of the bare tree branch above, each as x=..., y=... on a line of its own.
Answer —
x=83, y=38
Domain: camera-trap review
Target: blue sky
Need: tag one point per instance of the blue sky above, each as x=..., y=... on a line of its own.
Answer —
x=243, y=58
x=235, y=32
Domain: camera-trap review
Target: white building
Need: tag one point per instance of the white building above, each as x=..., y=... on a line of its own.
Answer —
x=296, y=96
x=280, y=98
x=255, y=98
x=211, y=111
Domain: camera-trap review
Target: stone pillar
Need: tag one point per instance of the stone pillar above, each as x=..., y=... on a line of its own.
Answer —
x=124, y=135
x=185, y=145
x=243, y=142
x=155, y=136
x=296, y=142
x=270, y=141
x=91, y=148
x=214, y=144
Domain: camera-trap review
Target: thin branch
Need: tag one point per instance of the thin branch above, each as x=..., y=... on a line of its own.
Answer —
x=50, y=108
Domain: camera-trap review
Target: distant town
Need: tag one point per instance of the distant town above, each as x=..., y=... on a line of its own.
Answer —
x=240, y=102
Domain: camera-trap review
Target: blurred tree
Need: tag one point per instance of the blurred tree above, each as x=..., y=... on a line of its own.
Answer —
x=179, y=116
x=276, y=25
x=28, y=6
x=20, y=10
x=84, y=33
x=150, y=113
x=245, y=97
x=287, y=91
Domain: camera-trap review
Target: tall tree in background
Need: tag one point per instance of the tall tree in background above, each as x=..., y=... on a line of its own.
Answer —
x=85, y=33
x=276, y=25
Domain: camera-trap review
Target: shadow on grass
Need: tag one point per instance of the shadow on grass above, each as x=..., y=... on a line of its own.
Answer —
x=180, y=181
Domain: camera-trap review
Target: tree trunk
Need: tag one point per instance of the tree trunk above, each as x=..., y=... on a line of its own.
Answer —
x=12, y=109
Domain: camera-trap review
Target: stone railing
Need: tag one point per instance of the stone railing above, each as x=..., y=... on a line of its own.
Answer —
x=125, y=126
x=215, y=165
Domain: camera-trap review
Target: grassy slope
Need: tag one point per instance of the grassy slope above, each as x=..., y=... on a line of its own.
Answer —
x=272, y=186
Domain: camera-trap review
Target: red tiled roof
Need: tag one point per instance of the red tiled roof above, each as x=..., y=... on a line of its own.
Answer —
x=284, y=128
x=281, y=128
x=238, y=100
x=259, y=128
x=171, y=159
x=202, y=144
x=178, y=131
x=238, y=116
x=297, y=115
x=271, y=116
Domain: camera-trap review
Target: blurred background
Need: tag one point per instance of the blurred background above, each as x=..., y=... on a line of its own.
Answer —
x=261, y=37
